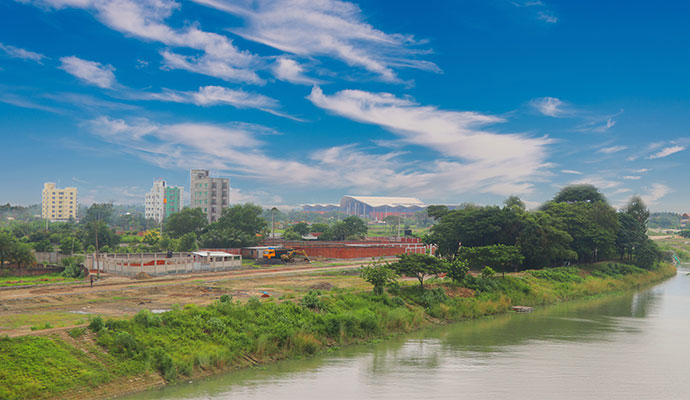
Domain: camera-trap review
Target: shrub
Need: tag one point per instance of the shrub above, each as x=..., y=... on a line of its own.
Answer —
x=312, y=300
x=96, y=323
x=379, y=274
x=488, y=272
x=457, y=269
x=147, y=318
x=76, y=332
x=73, y=267
x=225, y=298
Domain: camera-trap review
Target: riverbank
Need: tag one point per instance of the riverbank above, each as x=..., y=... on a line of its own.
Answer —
x=121, y=356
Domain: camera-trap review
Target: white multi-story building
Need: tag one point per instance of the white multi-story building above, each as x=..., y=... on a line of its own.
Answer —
x=59, y=204
x=162, y=200
x=210, y=194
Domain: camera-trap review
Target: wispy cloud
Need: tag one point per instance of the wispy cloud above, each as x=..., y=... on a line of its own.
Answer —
x=326, y=28
x=91, y=72
x=549, y=106
x=215, y=95
x=489, y=162
x=632, y=177
x=547, y=17
x=655, y=193
x=571, y=171
x=289, y=70
x=145, y=19
x=16, y=52
x=612, y=149
x=667, y=151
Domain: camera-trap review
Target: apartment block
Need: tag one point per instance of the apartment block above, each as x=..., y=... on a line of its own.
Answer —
x=59, y=204
x=163, y=200
x=210, y=194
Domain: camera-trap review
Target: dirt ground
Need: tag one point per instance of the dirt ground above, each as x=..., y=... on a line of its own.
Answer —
x=66, y=306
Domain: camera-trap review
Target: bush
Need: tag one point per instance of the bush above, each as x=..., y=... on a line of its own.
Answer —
x=147, y=318
x=73, y=267
x=379, y=274
x=457, y=270
x=226, y=298
x=311, y=300
x=488, y=272
x=76, y=332
x=560, y=274
x=96, y=323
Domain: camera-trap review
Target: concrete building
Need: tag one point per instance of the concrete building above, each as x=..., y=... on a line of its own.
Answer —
x=163, y=200
x=380, y=207
x=59, y=204
x=210, y=194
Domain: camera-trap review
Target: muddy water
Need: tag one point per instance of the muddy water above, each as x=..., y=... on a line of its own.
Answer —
x=632, y=346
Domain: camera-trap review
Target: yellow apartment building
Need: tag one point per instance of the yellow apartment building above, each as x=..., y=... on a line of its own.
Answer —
x=59, y=204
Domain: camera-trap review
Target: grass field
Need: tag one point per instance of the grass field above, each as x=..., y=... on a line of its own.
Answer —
x=6, y=281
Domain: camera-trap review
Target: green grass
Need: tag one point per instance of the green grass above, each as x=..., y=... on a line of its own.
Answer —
x=8, y=281
x=184, y=341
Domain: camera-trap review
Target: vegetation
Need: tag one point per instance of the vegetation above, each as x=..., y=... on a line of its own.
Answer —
x=577, y=225
x=379, y=274
x=186, y=341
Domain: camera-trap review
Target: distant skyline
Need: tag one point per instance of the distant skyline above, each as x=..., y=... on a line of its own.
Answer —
x=303, y=102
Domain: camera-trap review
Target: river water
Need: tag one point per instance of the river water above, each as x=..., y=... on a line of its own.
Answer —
x=630, y=346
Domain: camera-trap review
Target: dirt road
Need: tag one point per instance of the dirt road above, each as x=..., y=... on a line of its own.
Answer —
x=67, y=306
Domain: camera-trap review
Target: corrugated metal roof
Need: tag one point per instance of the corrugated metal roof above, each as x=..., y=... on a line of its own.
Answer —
x=387, y=201
x=213, y=254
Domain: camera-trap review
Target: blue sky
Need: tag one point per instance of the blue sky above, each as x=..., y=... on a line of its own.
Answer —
x=304, y=101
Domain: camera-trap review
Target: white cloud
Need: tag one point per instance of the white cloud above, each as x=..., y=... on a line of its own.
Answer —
x=486, y=161
x=570, y=171
x=632, y=177
x=549, y=106
x=655, y=193
x=91, y=72
x=327, y=27
x=145, y=19
x=289, y=70
x=640, y=171
x=612, y=149
x=597, y=181
x=16, y=52
x=667, y=151
x=547, y=17
x=215, y=95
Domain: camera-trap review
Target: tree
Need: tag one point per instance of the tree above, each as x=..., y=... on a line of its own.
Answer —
x=70, y=245
x=246, y=218
x=43, y=246
x=497, y=256
x=7, y=244
x=152, y=237
x=379, y=274
x=188, y=242
x=301, y=228
x=99, y=212
x=350, y=227
x=514, y=203
x=647, y=254
x=22, y=253
x=579, y=193
x=542, y=242
x=436, y=211
x=475, y=226
x=631, y=235
x=186, y=221
x=418, y=266
x=318, y=228
x=638, y=210
x=457, y=270
x=99, y=234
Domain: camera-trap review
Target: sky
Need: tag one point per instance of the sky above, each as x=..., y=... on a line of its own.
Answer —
x=304, y=101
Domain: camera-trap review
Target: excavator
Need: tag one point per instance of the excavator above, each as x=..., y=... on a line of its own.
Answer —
x=282, y=255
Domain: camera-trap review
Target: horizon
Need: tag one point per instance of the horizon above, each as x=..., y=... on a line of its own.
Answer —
x=467, y=103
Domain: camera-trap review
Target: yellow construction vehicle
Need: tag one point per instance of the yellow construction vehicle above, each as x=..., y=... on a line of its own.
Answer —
x=282, y=255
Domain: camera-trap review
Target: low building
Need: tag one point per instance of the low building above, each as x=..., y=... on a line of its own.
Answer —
x=59, y=204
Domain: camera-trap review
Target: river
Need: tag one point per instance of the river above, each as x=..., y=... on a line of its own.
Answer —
x=630, y=346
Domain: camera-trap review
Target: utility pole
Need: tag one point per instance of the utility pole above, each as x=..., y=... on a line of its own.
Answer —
x=273, y=222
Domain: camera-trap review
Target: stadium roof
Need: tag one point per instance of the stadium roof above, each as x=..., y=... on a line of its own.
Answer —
x=386, y=201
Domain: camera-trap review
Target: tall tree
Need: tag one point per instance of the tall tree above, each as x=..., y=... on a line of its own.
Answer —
x=188, y=220
x=638, y=210
x=436, y=211
x=99, y=212
x=579, y=193
x=498, y=256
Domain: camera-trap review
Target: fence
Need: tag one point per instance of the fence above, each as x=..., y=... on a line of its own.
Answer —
x=157, y=264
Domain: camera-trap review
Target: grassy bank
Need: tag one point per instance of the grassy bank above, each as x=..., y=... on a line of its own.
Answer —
x=191, y=341
x=9, y=281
